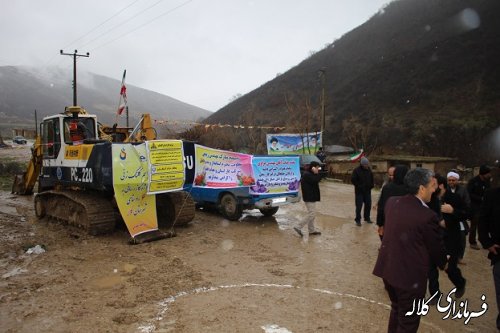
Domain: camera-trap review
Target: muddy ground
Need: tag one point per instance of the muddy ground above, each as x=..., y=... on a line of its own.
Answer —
x=253, y=275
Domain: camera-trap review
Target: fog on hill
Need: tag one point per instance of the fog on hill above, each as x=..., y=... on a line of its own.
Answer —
x=49, y=91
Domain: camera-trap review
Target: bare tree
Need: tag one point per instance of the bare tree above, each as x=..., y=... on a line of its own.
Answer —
x=301, y=119
x=359, y=135
x=253, y=136
x=194, y=134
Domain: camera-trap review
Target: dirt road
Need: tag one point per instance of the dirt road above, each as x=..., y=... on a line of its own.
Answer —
x=254, y=275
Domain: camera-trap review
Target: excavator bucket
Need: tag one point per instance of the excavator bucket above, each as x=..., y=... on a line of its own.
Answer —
x=24, y=183
x=19, y=185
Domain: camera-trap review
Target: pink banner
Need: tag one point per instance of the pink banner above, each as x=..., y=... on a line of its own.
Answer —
x=221, y=168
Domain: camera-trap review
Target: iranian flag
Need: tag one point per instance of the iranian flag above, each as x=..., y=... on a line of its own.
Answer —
x=123, y=96
x=357, y=156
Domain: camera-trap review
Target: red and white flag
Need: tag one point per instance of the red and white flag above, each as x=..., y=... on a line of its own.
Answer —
x=123, y=96
x=357, y=156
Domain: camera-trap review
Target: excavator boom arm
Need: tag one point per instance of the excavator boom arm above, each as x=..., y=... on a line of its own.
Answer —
x=24, y=183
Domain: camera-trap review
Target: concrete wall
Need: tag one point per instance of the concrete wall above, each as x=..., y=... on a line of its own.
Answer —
x=342, y=169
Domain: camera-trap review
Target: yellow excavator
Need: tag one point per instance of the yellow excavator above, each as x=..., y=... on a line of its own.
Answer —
x=72, y=163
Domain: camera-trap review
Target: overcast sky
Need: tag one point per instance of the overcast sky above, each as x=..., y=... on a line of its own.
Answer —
x=202, y=52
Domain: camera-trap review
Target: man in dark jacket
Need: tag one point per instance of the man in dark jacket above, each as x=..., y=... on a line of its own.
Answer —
x=455, y=187
x=489, y=231
x=435, y=206
x=453, y=210
x=309, y=184
x=396, y=187
x=362, y=179
x=411, y=240
x=476, y=188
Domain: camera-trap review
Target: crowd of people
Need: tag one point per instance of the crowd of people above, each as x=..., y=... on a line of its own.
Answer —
x=423, y=221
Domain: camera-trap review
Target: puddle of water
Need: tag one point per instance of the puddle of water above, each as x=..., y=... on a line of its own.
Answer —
x=107, y=281
x=129, y=268
x=227, y=244
x=16, y=205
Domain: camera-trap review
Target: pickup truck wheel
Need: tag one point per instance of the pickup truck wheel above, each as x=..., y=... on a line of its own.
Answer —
x=269, y=211
x=229, y=207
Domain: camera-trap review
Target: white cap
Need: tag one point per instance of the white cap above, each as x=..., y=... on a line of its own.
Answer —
x=453, y=175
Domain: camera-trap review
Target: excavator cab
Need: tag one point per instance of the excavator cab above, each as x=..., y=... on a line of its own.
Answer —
x=50, y=137
x=79, y=129
x=70, y=128
x=60, y=130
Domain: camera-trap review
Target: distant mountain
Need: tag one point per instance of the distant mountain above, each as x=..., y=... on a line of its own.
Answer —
x=419, y=77
x=24, y=89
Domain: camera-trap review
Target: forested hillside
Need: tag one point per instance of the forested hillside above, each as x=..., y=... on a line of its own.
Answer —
x=420, y=77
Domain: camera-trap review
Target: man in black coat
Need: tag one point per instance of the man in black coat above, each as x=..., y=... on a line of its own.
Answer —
x=454, y=186
x=411, y=240
x=394, y=188
x=435, y=206
x=362, y=179
x=309, y=184
x=489, y=231
x=476, y=188
x=453, y=210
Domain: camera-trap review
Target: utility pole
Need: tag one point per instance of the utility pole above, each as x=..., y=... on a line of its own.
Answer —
x=74, y=55
x=322, y=75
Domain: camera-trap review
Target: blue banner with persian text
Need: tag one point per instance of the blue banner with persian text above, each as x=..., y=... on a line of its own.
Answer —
x=275, y=174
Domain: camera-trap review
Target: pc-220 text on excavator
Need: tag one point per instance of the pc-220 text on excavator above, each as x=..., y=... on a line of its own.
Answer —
x=72, y=160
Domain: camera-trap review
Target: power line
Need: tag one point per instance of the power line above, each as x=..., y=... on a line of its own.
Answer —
x=143, y=25
x=122, y=23
x=99, y=25
x=102, y=23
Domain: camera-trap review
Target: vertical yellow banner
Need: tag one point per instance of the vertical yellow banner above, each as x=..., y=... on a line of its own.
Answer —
x=166, y=165
x=130, y=181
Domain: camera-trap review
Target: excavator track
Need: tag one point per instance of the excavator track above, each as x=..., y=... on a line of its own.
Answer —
x=89, y=211
x=174, y=209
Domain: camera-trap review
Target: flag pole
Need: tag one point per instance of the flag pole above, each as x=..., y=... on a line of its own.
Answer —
x=123, y=95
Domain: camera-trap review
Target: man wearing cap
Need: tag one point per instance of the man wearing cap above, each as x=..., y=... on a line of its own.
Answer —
x=476, y=188
x=362, y=179
x=453, y=178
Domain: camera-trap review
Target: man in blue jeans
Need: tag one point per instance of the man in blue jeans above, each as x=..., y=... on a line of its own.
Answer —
x=362, y=179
